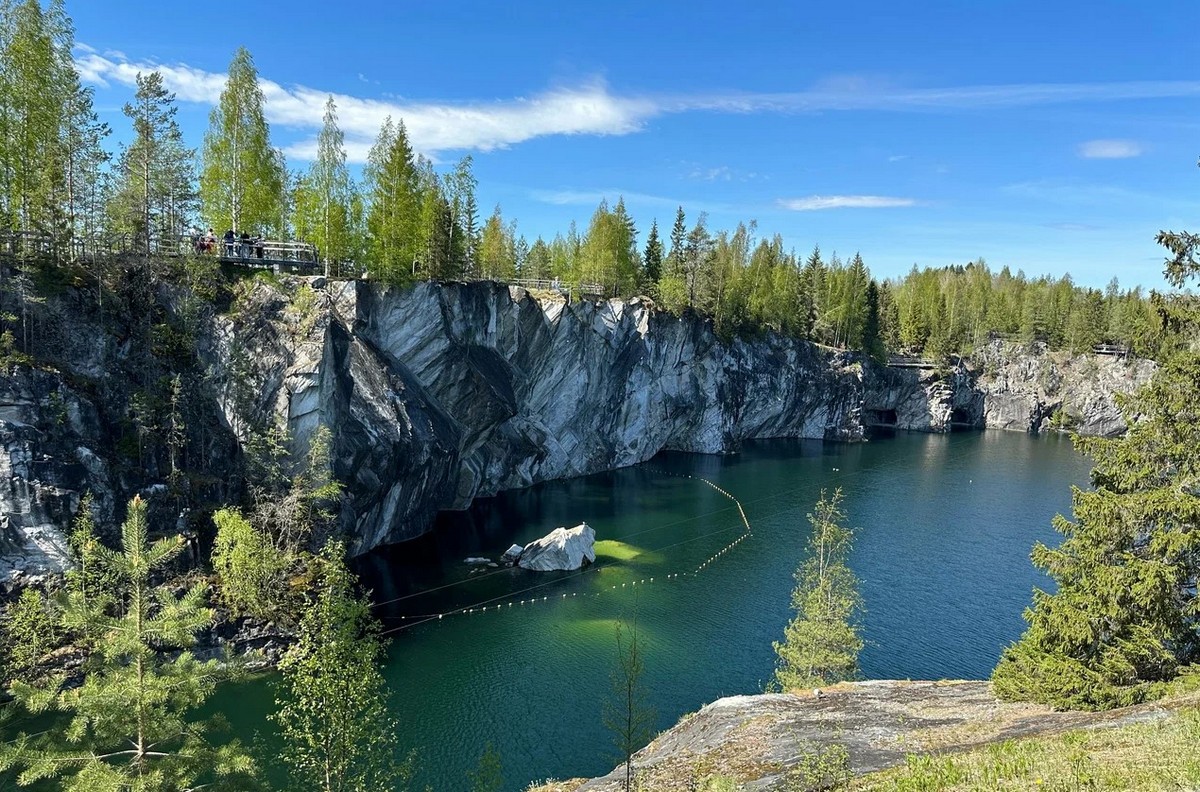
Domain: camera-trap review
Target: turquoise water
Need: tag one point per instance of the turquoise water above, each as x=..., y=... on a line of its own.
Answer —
x=945, y=525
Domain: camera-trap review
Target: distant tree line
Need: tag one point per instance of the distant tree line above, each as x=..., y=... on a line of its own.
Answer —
x=404, y=221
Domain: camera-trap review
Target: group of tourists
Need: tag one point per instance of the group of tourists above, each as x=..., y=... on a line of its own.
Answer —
x=232, y=245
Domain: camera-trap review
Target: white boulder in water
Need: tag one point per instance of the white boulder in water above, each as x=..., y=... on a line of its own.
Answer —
x=561, y=549
x=512, y=554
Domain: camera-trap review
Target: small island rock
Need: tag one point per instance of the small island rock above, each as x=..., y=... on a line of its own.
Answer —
x=561, y=549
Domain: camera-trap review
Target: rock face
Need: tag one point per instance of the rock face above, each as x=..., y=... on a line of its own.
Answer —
x=440, y=393
x=563, y=549
x=758, y=738
x=1007, y=386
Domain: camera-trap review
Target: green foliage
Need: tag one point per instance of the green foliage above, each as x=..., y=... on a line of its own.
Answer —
x=627, y=715
x=127, y=727
x=394, y=196
x=817, y=768
x=154, y=191
x=256, y=556
x=1125, y=616
x=251, y=575
x=321, y=205
x=90, y=577
x=497, y=249
x=488, y=775
x=304, y=305
x=333, y=706
x=821, y=643
x=242, y=176
x=30, y=631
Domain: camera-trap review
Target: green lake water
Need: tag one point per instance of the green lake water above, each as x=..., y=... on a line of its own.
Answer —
x=945, y=525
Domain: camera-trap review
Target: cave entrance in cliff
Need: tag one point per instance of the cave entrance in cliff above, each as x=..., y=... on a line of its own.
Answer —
x=881, y=418
x=960, y=420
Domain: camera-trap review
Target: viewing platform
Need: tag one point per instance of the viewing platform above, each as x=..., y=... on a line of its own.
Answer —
x=280, y=255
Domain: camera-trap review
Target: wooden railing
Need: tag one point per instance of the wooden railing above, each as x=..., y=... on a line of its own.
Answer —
x=1110, y=349
x=561, y=286
x=911, y=361
x=252, y=252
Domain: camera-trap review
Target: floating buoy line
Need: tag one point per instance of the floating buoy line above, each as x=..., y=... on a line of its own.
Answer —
x=508, y=602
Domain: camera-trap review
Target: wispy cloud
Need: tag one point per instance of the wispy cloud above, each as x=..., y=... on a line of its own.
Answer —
x=814, y=203
x=1110, y=149
x=592, y=197
x=897, y=158
x=721, y=173
x=977, y=97
x=586, y=109
x=433, y=127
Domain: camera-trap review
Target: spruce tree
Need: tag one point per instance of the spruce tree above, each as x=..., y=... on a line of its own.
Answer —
x=1125, y=615
x=129, y=725
x=652, y=259
x=394, y=197
x=821, y=643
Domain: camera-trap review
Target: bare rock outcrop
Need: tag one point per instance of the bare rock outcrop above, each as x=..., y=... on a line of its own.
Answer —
x=561, y=550
x=757, y=738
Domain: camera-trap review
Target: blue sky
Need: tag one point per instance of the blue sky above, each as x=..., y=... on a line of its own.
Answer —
x=1049, y=137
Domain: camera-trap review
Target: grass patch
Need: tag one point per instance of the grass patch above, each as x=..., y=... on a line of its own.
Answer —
x=1142, y=757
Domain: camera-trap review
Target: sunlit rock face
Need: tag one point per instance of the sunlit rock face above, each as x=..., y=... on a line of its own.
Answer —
x=1023, y=388
x=440, y=393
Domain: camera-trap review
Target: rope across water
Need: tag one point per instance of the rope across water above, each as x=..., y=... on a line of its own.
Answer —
x=514, y=599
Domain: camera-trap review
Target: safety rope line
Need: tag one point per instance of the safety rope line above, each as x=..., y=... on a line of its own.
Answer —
x=509, y=600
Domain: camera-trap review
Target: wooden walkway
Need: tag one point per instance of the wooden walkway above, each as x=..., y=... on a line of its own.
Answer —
x=298, y=257
x=594, y=290
x=911, y=361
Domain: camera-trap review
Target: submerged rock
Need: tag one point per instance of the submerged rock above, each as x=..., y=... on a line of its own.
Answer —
x=561, y=549
x=477, y=561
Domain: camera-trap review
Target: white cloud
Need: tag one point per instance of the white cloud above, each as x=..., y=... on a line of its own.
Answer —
x=814, y=203
x=1110, y=149
x=587, y=109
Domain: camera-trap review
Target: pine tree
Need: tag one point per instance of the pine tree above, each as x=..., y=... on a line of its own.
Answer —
x=127, y=727
x=822, y=642
x=333, y=711
x=242, y=177
x=153, y=193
